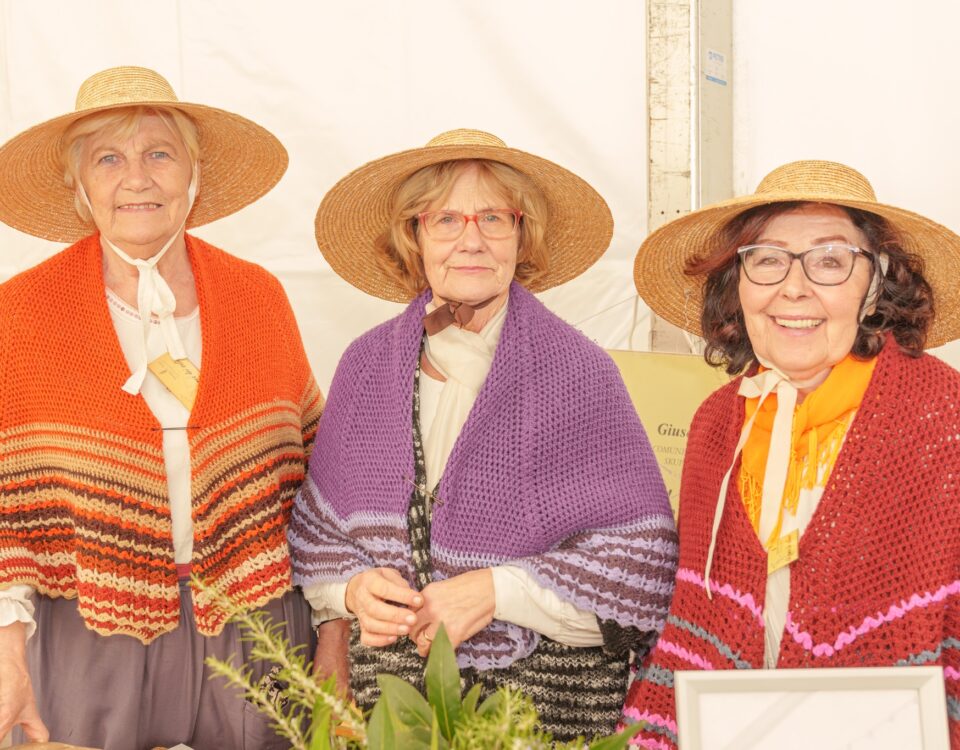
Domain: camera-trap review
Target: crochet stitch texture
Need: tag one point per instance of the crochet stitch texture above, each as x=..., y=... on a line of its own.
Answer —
x=552, y=472
x=83, y=493
x=877, y=582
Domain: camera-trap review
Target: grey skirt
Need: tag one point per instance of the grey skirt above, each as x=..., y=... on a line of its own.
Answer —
x=115, y=693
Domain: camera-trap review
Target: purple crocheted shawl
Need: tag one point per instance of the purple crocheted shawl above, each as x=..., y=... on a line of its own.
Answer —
x=552, y=473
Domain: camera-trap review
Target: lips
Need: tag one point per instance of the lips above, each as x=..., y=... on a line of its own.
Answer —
x=798, y=323
x=138, y=206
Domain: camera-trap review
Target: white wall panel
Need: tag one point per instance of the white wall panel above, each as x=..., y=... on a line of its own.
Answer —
x=341, y=83
x=870, y=84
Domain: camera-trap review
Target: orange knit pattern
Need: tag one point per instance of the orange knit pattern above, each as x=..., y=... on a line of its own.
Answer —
x=84, y=510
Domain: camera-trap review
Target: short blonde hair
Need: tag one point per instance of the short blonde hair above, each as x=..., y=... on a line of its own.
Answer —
x=123, y=123
x=398, y=249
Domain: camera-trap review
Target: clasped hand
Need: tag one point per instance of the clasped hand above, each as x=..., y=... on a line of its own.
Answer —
x=388, y=608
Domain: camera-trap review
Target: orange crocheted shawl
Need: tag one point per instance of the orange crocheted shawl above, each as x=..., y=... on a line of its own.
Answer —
x=84, y=510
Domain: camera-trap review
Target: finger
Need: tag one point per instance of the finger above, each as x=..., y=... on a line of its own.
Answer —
x=395, y=590
x=394, y=577
x=424, y=643
x=33, y=728
x=384, y=619
x=376, y=641
x=378, y=609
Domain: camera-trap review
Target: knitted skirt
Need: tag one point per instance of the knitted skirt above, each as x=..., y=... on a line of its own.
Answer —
x=577, y=691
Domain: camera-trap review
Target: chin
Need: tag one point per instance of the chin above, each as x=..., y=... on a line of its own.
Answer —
x=472, y=295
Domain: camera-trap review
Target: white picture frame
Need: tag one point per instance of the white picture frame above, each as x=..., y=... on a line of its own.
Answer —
x=875, y=708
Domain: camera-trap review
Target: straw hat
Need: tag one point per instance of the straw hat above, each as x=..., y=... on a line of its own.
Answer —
x=239, y=160
x=357, y=210
x=658, y=269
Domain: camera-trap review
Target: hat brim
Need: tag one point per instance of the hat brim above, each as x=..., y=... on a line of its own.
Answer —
x=354, y=213
x=240, y=161
x=658, y=270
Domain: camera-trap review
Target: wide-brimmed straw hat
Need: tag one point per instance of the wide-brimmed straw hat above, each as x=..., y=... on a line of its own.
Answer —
x=357, y=211
x=239, y=160
x=677, y=297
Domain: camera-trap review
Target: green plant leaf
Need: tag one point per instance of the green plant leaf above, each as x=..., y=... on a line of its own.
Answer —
x=617, y=741
x=443, y=682
x=491, y=705
x=410, y=708
x=320, y=725
x=470, y=701
x=437, y=740
x=380, y=734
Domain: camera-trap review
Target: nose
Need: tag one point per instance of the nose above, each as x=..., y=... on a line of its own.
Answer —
x=471, y=239
x=796, y=285
x=135, y=175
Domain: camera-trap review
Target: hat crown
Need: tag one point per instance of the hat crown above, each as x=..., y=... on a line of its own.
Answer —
x=817, y=178
x=466, y=137
x=123, y=85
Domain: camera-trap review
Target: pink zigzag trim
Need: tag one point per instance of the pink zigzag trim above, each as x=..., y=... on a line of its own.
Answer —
x=673, y=648
x=951, y=674
x=650, y=742
x=635, y=714
x=895, y=612
x=744, y=600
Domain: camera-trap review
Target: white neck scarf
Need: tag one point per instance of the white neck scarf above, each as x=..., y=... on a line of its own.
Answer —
x=154, y=295
x=760, y=386
x=464, y=359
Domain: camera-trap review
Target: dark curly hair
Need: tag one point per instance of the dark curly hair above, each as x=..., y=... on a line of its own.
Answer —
x=904, y=306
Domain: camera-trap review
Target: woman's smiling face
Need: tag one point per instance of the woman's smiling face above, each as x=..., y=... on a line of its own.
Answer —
x=802, y=328
x=137, y=188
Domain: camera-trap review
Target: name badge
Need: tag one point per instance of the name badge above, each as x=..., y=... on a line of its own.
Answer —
x=179, y=376
x=783, y=551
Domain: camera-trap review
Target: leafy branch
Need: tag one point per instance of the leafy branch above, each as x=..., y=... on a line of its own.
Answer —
x=315, y=716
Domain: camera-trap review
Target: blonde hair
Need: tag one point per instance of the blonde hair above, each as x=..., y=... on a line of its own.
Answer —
x=122, y=123
x=398, y=249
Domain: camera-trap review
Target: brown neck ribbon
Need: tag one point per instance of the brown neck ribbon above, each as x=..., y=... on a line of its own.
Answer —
x=452, y=312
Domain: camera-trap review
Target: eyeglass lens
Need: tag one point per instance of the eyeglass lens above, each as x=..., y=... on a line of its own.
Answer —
x=826, y=264
x=448, y=225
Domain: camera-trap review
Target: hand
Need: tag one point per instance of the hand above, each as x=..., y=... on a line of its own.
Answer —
x=384, y=605
x=464, y=604
x=332, y=655
x=17, y=704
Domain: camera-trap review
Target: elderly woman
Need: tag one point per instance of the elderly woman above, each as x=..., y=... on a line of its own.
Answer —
x=479, y=464
x=818, y=504
x=157, y=411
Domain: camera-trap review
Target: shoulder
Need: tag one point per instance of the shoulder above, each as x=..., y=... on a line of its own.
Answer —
x=914, y=379
x=552, y=339
x=382, y=342
x=35, y=286
x=234, y=271
x=721, y=399
x=718, y=414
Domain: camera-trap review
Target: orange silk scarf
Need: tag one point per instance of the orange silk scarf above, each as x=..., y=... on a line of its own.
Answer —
x=820, y=424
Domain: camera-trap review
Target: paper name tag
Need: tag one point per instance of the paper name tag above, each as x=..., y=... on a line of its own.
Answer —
x=179, y=376
x=783, y=551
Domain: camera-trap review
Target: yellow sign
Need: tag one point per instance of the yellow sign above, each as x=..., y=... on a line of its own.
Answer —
x=666, y=390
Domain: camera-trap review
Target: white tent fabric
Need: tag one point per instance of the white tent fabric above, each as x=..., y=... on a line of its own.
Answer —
x=342, y=83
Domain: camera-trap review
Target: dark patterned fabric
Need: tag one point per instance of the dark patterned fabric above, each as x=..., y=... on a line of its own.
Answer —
x=421, y=501
x=577, y=691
